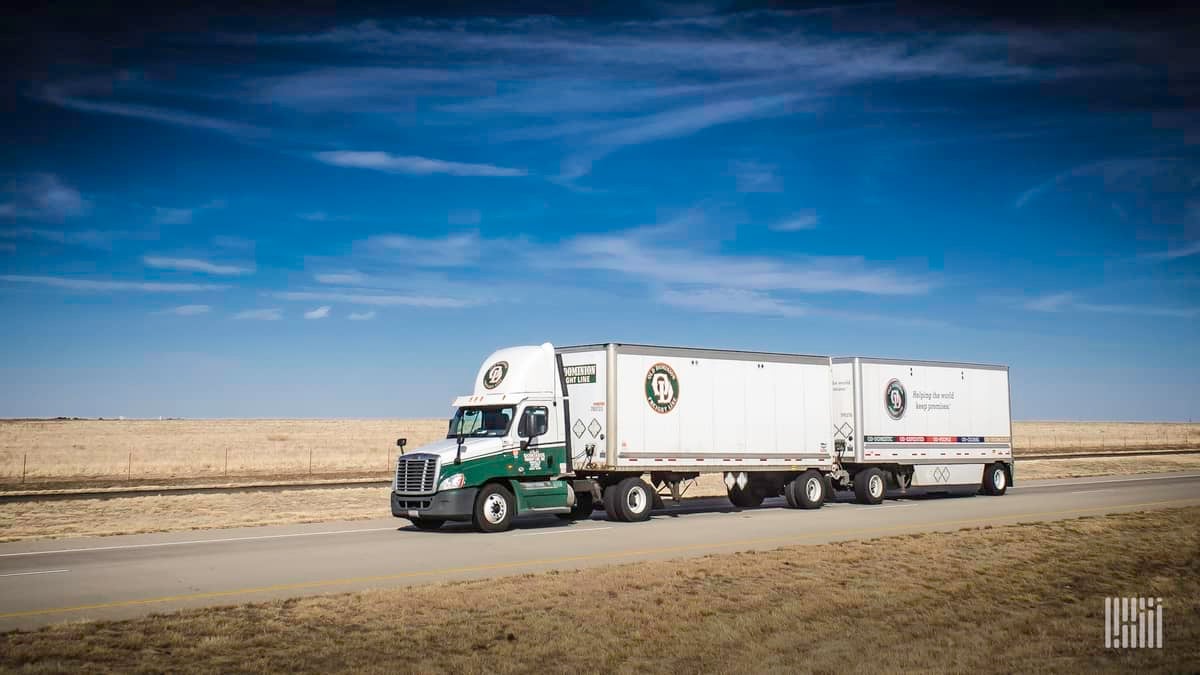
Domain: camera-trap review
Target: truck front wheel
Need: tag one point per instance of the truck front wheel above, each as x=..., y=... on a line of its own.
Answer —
x=869, y=486
x=495, y=508
x=582, y=509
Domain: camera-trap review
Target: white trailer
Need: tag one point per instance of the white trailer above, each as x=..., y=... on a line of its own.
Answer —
x=925, y=424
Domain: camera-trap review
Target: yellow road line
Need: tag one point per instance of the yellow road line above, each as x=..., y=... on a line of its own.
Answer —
x=567, y=559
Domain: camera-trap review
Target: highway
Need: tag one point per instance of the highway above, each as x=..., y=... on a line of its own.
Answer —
x=56, y=580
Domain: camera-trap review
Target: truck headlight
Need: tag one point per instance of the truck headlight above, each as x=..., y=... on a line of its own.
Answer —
x=452, y=482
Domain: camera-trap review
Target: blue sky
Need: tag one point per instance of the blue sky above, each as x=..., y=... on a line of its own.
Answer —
x=341, y=214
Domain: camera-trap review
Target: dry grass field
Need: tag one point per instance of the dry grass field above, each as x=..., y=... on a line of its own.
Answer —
x=1025, y=598
x=57, y=451
x=130, y=515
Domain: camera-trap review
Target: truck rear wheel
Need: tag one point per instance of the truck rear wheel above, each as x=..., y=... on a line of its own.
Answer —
x=495, y=508
x=582, y=510
x=789, y=493
x=869, y=486
x=747, y=497
x=809, y=490
x=427, y=523
x=995, y=479
x=631, y=500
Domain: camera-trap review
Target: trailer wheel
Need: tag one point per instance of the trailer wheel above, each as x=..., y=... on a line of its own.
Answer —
x=869, y=486
x=809, y=489
x=610, y=502
x=495, y=508
x=745, y=498
x=789, y=493
x=632, y=500
x=995, y=479
x=427, y=523
x=583, y=507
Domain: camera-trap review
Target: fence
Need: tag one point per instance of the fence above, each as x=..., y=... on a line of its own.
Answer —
x=45, y=451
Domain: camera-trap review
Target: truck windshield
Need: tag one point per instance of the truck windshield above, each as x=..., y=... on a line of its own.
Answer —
x=477, y=422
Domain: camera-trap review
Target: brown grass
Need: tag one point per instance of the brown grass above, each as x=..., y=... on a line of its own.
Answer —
x=1025, y=598
x=142, y=450
x=130, y=515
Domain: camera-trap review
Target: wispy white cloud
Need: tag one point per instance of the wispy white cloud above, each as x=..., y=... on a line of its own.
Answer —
x=195, y=265
x=362, y=316
x=803, y=220
x=1173, y=253
x=260, y=315
x=1053, y=302
x=92, y=238
x=448, y=251
x=73, y=96
x=1068, y=301
x=637, y=256
x=42, y=196
x=75, y=284
x=318, y=313
x=754, y=176
x=730, y=301
x=1114, y=174
x=167, y=216
x=376, y=299
x=349, y=278
x=411, y=164
x=188, y=310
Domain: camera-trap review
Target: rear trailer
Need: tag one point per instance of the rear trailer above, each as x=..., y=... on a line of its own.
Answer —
x=902, y=424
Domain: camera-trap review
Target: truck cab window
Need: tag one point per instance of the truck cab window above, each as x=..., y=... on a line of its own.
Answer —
x=475, y=422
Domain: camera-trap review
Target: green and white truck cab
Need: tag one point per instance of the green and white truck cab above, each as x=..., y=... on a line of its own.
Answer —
x=505, y=450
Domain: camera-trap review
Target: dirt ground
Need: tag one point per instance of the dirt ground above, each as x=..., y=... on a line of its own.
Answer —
x=1025, y=598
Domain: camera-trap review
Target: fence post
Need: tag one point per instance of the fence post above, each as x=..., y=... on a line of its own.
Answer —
x=310, y=461
x=227, y=462
x=24, y=463
x=129, y=467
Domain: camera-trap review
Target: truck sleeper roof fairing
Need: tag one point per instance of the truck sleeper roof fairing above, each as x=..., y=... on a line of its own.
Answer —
x=512, y=374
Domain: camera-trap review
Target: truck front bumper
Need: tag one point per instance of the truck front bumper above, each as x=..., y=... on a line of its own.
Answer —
x=445, y=505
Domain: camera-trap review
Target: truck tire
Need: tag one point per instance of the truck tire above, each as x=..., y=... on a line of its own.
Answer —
x=869, y=486
x=495, y=508
x=633, y=500
x=789, y=493
x=582, y=509
x=809, y=490
x=995, y=479
x=427, y=523
x=610, y=503
x=747, y=497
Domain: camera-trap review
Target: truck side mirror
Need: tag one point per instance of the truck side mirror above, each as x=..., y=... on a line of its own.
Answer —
x=534, y=422
x=401, y=442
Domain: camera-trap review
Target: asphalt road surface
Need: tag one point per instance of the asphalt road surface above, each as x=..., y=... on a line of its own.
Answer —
x=57, y=580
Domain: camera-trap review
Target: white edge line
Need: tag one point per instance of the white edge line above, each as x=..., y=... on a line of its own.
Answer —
x=191, y=541
x=1107, y=479
x=25, y=574
x=585, y=529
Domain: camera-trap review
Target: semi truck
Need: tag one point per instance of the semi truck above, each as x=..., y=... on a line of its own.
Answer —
x=621, y=426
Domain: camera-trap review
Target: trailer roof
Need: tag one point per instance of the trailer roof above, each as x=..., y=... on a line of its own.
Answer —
x=918, y=362
x=698, y=352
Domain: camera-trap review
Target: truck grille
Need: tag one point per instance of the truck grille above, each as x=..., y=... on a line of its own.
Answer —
x=416, y=475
